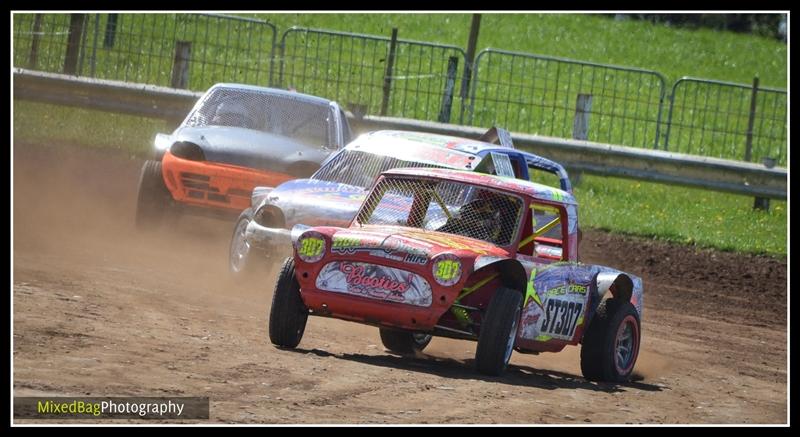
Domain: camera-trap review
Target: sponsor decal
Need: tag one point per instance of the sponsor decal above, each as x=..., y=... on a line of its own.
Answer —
x=568, y=288
x=356, y=277
x=375, y=282
x=441, y=240
x=391, y=248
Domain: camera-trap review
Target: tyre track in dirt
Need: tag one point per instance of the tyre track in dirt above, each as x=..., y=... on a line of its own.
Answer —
x=102, y=310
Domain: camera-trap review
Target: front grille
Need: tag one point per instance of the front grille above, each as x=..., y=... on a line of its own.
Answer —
x=238, y=192
x=199, y=188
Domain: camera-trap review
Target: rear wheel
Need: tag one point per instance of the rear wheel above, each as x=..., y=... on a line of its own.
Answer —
x=154, y=198
x=611, y=343
x=498, y=332
x=404, y=342
x=288, y=315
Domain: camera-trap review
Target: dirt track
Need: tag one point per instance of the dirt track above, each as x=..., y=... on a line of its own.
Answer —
x=102, y=310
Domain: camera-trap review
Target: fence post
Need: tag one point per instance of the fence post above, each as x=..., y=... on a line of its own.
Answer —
x=84, y=34
x=580, y=125
x=763, y=202
x=449, y=86
x=472, y=42
x=93, y=65
x=580, y=128
x=748, y=150
x=37, y=30
x=180, y=64
x=73, y=43
x=111, y=31
x=387, y=78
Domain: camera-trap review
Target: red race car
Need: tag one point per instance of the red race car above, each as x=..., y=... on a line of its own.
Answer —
x=435, y=252
x=237, y=137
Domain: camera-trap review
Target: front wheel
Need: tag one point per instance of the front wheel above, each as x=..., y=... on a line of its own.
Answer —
x=404, y=342
x=611, y=343
x=154, y=198
x=288, y=314
x=498, y=332
x=240, y=261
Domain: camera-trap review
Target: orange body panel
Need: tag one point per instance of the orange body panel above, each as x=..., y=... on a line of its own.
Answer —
x=215, y=185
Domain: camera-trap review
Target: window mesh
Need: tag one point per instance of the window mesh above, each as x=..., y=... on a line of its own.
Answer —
x=360, y=169
x=306, y=122
x=444, y=206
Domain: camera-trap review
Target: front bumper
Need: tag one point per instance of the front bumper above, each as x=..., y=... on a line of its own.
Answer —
x=213, y=184
x=274, y=240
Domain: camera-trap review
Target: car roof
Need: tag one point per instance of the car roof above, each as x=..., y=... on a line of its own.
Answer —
x=519, y=186
x=415, y=146
x=274, y=91
x=390, y=139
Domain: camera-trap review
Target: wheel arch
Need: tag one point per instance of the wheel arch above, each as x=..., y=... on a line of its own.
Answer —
x=510, y=271
x=270, y=216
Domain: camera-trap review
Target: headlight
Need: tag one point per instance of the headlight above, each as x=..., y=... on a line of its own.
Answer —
x=310, y=246
x=447, y=269
x=187, y=150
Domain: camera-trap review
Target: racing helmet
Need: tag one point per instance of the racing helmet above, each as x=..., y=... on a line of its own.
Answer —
x=234, y=113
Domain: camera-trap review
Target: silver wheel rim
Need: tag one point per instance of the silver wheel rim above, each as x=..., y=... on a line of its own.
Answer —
x=421, y=339
x=623, y=350
x=512, y=338
x=239, y=247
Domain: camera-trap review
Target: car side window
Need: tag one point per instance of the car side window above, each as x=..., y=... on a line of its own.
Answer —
x=542, y=235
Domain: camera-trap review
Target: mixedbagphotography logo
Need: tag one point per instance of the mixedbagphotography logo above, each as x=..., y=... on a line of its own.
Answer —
x=160, y=408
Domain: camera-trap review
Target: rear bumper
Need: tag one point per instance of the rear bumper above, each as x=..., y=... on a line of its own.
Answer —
x=214, y=185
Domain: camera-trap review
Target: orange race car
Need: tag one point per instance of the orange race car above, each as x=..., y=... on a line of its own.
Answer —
x=235, y=138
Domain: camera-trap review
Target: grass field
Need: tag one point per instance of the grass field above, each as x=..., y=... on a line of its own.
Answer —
x=673, y=52
x=677, y=214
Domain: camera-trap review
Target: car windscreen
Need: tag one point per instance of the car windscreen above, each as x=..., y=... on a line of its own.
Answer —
x=445, y=206
x=357, y=168
x=306, y=122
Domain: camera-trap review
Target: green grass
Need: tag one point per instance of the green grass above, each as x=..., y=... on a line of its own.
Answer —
x=44, y=124
x=673, y=52
x=683, y=215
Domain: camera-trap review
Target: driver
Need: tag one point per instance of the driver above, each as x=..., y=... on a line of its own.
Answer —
x=484, y=218
x=233, y=113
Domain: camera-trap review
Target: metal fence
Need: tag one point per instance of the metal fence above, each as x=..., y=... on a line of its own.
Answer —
x=539, y=94
x=385, y=75
x=727, y=120
x=373, y=74
x=191, y=51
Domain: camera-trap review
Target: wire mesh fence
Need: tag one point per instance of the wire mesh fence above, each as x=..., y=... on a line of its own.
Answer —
x=727, y=120
x=538, y=94
x=373, y=74
x=191, y=51
x=385, y=75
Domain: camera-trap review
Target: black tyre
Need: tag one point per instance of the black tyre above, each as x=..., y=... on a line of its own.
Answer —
x=498, y=332
x=154, y=198
x=611, y=342
x=288, y=315
x=243, y=260
x=404, y=342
